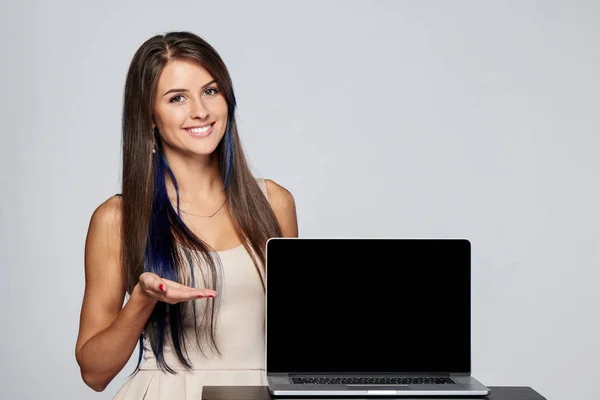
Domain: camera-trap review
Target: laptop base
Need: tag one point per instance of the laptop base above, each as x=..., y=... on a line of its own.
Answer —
x=464, y=386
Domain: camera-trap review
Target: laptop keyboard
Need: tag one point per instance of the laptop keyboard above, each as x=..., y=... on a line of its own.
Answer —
x=379, y=380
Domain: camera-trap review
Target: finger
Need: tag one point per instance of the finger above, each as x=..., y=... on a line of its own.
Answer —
x=190, y=292
x=202, y=293
x=209, y=293
x=163, y=284
x=159, y=285
x=178, y=294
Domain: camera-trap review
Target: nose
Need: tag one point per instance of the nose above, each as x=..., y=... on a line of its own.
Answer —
x=198, y=109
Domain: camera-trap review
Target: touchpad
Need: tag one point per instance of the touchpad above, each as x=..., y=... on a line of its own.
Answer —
x=379, y=387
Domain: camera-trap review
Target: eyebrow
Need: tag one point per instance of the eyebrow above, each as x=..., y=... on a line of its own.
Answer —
x=185, y=90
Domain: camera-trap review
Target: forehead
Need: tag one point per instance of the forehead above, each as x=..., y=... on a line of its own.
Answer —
x=183, y=74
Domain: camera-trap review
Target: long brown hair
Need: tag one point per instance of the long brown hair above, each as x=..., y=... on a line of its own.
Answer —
x=154, y=237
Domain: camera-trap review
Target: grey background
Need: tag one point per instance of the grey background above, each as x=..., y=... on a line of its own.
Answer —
x=474, y=119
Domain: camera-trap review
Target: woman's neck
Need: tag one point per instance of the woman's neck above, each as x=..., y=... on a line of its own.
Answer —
x=198, y=179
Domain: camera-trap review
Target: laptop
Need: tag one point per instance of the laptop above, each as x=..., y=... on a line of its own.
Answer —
x=369, y=317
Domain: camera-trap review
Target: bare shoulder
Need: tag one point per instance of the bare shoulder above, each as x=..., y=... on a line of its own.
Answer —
x=284, y=206
x=104, y=232
x=109, y=212
x=278, y=195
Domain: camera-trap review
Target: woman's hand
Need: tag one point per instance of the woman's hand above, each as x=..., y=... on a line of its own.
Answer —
x=156, y=288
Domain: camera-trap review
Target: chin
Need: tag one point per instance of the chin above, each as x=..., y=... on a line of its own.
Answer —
x=204, y=149
x=203, y=153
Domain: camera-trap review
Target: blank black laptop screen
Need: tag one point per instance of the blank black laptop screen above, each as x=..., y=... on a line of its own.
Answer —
x=368, y=306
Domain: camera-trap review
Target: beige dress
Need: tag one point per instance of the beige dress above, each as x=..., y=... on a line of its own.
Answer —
x=240, y=337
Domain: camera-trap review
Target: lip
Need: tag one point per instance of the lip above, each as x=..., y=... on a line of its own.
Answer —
x=199, y=126
x=200, y=135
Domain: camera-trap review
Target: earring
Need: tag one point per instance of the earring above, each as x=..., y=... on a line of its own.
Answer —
x=154, y=133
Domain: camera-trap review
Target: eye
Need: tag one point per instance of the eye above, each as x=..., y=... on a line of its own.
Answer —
x=176, y=99
x=212, y=91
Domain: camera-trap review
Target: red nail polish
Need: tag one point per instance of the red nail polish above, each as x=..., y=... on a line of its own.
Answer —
x=200, y=296
x=161, y=287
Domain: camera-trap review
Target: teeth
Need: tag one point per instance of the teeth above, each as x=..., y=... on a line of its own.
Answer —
x=200, y=130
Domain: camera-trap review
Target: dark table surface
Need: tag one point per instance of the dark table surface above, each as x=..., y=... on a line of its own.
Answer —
x=261, y=393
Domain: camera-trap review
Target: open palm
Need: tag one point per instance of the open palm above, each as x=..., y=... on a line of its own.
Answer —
x=171, y=292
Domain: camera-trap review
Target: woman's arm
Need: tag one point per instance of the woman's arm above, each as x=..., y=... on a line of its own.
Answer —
x=108, y=332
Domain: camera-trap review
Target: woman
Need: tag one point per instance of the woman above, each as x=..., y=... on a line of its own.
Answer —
x=186, y=238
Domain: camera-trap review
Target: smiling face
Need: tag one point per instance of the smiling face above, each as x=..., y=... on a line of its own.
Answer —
x=189, y=110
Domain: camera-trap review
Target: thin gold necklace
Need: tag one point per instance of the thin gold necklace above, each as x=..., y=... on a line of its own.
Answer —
x=203, y=216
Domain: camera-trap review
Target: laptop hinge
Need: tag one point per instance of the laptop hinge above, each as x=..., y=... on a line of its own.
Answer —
x=371, y=373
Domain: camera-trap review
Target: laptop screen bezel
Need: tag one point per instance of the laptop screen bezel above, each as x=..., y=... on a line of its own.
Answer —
x=273, y=241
